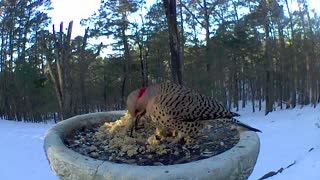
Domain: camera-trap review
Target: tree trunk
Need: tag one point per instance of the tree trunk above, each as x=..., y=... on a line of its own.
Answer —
x=127, y=58
x=293, y=77
x=268, y=67
x=182, y=38
x=207, y=26
x=60, y=78
x=174, y=40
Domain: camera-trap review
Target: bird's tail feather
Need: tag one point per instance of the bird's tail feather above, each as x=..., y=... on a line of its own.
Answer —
x=239, y=123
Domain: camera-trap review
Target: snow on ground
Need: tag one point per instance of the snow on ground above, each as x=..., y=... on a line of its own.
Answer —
x=21, y=151
x=288, y=136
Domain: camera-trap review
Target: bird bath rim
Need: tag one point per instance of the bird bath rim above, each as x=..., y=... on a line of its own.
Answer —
x=235, y=163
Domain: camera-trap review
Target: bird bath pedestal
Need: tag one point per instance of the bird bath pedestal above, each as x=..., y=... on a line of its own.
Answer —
x=235, y=163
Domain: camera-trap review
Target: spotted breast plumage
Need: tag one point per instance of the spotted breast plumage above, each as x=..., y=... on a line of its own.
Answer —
x=179, y=108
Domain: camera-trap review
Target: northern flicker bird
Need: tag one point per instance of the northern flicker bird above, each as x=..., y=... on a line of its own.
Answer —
x=176, y=107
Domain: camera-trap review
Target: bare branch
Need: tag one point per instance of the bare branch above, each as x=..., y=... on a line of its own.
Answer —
x=194, y=16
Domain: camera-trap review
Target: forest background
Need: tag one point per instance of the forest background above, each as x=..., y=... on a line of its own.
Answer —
x=238, y=51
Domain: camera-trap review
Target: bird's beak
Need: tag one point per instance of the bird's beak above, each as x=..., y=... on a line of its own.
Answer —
x=136, y=121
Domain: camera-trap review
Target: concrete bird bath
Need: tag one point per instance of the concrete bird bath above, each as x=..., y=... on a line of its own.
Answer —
x=235, y=163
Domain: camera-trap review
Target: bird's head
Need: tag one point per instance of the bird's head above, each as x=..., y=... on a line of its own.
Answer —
x=137, y=102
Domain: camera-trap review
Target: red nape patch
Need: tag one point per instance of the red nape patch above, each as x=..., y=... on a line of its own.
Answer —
x=141, y=91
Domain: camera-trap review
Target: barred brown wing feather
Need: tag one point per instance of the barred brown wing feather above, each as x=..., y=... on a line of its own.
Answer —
x=185, y=104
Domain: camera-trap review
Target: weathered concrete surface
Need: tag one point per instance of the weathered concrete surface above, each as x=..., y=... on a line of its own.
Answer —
x=236, y=163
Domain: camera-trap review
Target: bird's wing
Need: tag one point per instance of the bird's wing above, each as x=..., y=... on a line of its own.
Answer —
x=185, y=104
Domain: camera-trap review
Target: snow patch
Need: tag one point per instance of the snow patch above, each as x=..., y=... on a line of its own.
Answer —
x=287, y=137
x=21, y=154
